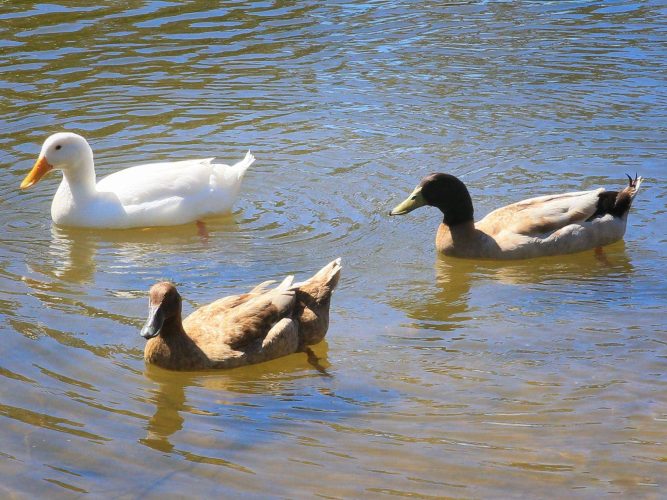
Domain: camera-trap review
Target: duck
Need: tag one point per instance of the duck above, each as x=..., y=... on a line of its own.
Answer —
x=543, y=226
x=156, y=194
x=262, y=324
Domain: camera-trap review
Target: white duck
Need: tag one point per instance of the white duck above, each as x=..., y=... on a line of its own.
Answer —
x=157, y=194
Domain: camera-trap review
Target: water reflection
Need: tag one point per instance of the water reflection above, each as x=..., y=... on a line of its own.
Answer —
x=507, y=378
x=448, y=305
x=596, y=265
x=221, y=389
x=72, y=254
x=169, y=399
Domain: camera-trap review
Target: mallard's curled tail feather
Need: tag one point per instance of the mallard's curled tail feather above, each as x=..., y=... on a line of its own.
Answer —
x=617, y=203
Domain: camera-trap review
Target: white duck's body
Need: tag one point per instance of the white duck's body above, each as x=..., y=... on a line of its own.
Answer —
x=157, y=194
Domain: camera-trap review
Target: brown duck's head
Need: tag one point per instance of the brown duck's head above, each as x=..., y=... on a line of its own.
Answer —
x=164, y=303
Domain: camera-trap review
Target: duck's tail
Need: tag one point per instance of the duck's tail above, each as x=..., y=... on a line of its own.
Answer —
x=633, y=186
x=239, y=169
x=617, y=203
x=287, y=283
x=625, y=196
x=326, y=278
x=313, y=298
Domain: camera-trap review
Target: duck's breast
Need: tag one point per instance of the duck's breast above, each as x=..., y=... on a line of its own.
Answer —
x=94, y=210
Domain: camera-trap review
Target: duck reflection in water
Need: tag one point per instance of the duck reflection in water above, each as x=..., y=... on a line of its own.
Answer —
x=72, y=252
x=69, y=256
x=464, y=285
x=222, y=390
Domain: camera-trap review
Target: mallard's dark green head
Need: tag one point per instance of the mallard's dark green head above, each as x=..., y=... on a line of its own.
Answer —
x=443, y=191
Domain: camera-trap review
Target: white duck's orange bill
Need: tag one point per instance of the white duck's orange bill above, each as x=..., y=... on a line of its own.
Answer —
x=41, y=168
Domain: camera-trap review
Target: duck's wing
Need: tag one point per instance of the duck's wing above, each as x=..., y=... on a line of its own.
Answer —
x=542, y=214
x=170, y=182
x=220, y=307
x=156, y=182
x=212, y=315
x=254, y=319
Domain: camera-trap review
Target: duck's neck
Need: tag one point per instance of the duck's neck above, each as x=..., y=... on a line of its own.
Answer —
x=461, y=240
x=461, y=231
x=457, y=234
x=172, y=333
x=173, y=327
x=452, y=198
x=80, y=178
x=172, y=348
x=458, y=212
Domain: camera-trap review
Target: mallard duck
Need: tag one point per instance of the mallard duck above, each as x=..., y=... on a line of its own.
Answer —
x=257, y=326
x=158, y=194
x=546, y=225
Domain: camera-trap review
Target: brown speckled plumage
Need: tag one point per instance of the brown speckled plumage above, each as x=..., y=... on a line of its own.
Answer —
x=242, y=329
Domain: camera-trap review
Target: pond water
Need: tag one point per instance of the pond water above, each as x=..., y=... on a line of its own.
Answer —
x=438, y=377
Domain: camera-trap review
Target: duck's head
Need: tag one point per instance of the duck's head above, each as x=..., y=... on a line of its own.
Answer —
x=164, y=304
x=64, y=151
x=443, y=191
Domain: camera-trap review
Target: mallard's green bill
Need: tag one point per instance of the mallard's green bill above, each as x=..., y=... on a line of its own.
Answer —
x=415, y=200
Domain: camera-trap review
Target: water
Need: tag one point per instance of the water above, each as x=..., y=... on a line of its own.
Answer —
x=445, y=378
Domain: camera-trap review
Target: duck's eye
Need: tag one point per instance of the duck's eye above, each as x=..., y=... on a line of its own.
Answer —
x=414, y=197
x=58, y=146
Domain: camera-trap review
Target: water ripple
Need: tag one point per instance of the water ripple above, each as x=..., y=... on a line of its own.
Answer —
x=440, y=378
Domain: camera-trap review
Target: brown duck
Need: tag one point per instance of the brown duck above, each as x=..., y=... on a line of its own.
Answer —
x=244, y=329
x=547, y=225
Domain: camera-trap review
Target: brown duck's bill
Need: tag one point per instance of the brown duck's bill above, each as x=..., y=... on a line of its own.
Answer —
x=41, y=168
x=153, y=323
x=415, y=200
